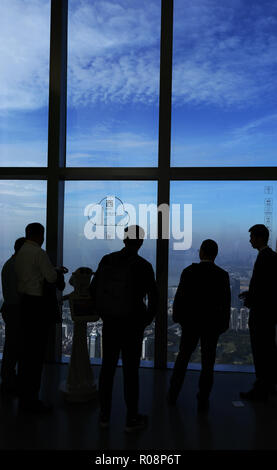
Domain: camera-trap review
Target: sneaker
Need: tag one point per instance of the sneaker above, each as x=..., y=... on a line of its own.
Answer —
x=104, y=421
x=170, y=399
x=203, y=403
x=136, y=424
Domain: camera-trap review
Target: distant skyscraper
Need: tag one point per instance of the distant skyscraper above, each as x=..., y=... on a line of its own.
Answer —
x=244, y=315
x=234, y=321
x=148, y=348
x=235, y=291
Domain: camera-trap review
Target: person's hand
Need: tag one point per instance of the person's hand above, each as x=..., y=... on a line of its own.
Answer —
x=243, y=295
x=62, y=269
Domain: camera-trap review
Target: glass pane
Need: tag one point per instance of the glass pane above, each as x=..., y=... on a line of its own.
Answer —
x=24, y=82
x=21, y=202
x=81, y=250
x=113, y=82
x=224, y=87
x=224, y=212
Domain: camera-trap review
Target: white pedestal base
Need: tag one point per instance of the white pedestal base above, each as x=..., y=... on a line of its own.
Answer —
x=80, y=395
x=80, y=386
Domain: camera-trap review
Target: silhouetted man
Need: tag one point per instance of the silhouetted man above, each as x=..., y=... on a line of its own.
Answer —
x=32, y=267
x=10, y=314
x=202, y=307
x=261, y=298
x=120, y=285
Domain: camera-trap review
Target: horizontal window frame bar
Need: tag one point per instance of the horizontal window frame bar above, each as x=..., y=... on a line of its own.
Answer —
x=141, y=173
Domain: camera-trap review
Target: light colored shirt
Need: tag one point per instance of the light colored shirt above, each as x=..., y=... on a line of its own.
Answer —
x=9, y=282
x=32, y=266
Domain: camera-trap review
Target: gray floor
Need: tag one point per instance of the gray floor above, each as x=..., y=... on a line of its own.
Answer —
x=75, y=426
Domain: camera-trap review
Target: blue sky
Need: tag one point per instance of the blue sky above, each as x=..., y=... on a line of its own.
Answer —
x=223, y=112
x=224, y=87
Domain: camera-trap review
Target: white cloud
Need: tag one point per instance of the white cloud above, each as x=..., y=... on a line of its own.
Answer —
x=23, y=154
x=225, y=52
x=24, y=54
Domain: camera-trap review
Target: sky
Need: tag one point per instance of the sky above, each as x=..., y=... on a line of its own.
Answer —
x=224, y=87
x=223, y=105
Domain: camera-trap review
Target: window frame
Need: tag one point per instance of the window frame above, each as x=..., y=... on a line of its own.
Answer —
x=56, y=173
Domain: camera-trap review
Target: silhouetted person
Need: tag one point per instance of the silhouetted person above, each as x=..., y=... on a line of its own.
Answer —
x=120, y=285
x=202, y=307
x=261, y=298
x=32, y=268
x=10, y=314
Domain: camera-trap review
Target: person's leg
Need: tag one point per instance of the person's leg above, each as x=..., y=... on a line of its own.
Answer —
x=208, y=354
x=34, y=333
x=111, y=337
x=256, y=341
x=263, y=344
x=131, y=354
x=10, y=352
x=188, y=343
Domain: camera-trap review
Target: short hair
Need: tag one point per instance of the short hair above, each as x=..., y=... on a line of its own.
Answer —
x=260, y=230
x=33, y=230
x=210, y=248
x=134, y=232
x=18, y=243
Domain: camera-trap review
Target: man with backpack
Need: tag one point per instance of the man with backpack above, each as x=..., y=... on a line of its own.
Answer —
x=202, y=307
x=119, y=288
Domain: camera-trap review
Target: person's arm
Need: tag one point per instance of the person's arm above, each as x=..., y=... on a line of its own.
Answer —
x=152, y=295
x=226, y=296
x=46, y=268
x=4, y=282
x=94, y=281
x=179, y=299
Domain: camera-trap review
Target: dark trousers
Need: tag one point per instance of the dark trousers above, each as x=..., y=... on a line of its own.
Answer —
x=263, y=344
x=127, y=339
x=34, y=335
x=11, y=347
x=189, y=341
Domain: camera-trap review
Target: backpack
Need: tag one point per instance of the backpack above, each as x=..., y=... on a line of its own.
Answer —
x=114, y=291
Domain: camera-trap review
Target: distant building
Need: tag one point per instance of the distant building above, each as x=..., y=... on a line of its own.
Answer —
x=234, y=320
x=244, y=315
x=148, y=348
x=235, y=291
x=95, y=343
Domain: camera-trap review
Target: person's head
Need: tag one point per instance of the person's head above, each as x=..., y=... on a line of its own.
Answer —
x=259, y=235
x=133, y=237
x=208, y=250
x=18, y=244
x=35, y=233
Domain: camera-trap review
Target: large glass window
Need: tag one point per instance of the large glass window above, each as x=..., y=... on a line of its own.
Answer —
x=223, y=211
x=113, y=82
x=24, y=82
x=127, y=200
x=224, y=87
x=21, y=203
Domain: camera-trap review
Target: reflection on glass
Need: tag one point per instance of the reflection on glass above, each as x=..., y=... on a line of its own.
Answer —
x=21, y=202
x=224, y=212
x=224, y=87
x=113, y=82
x=24, y=82
x=79, y=250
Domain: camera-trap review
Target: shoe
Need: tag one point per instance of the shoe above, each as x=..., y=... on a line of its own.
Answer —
x=170, y=399
x=203, y=403
x=104, y=421
x=136, y=424
x=254, y=395
x=35, y=407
